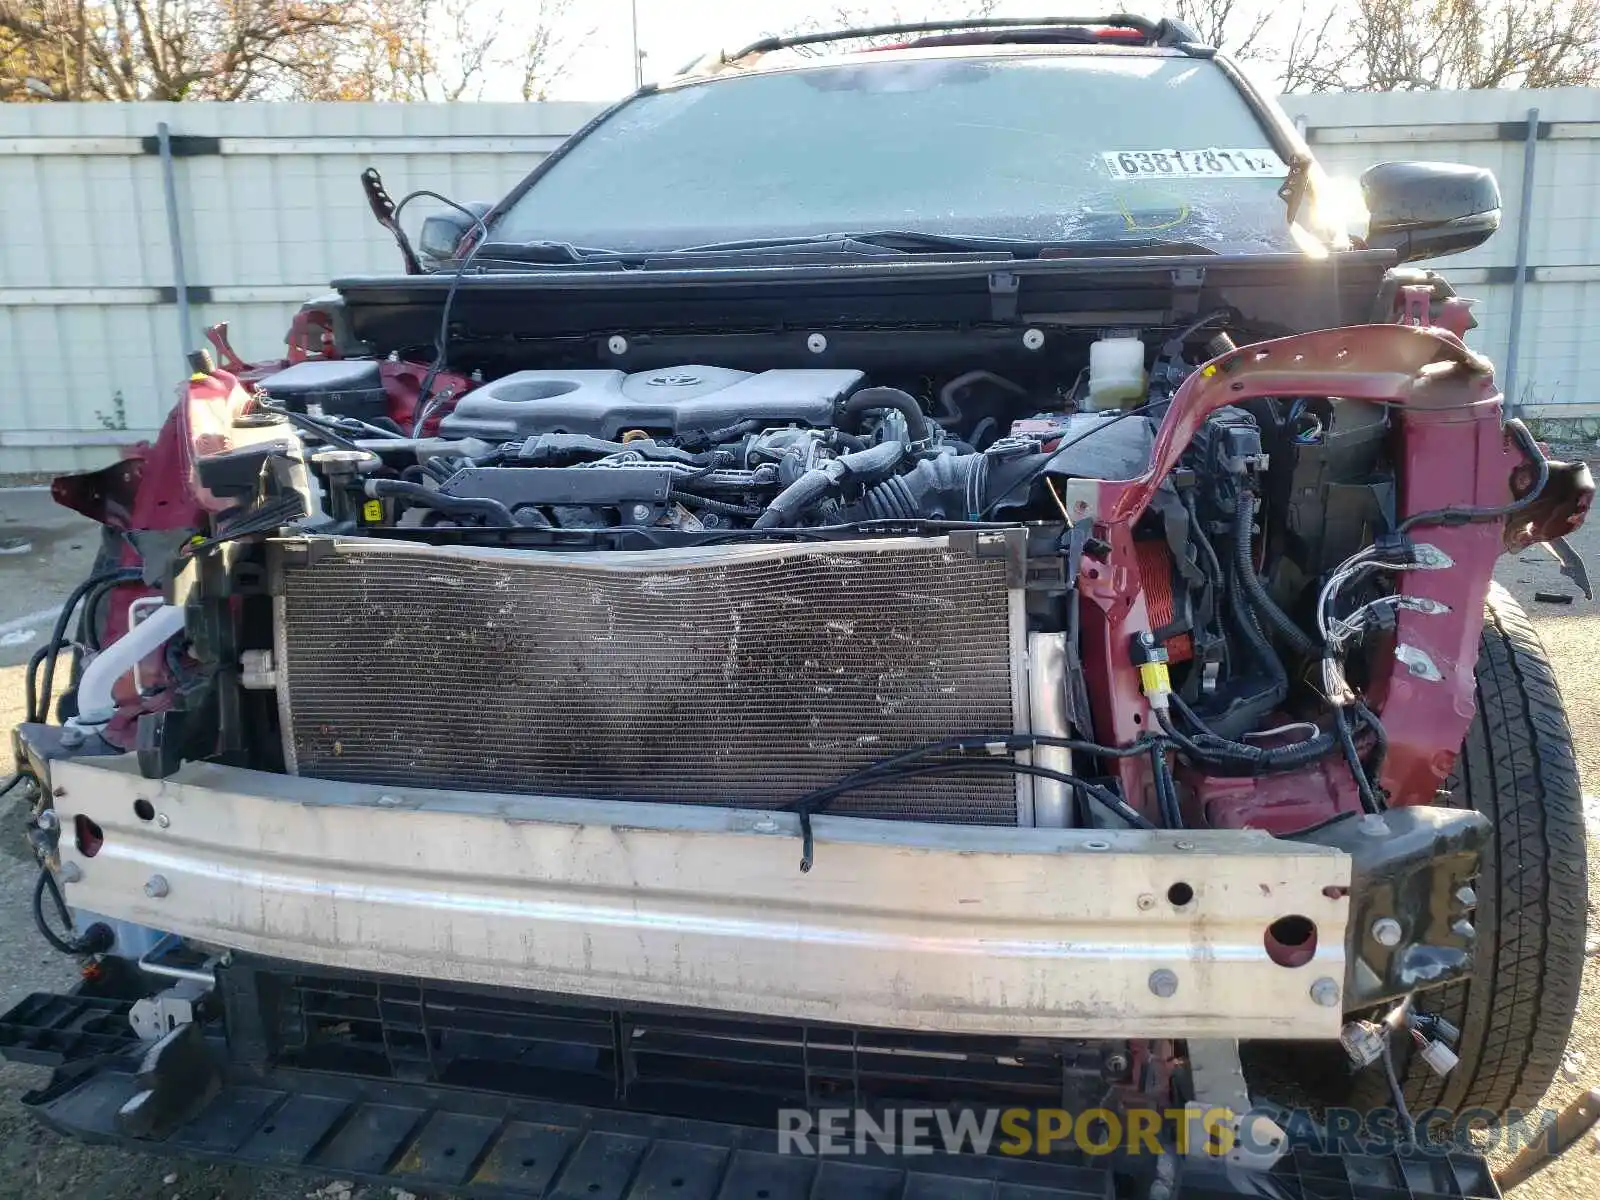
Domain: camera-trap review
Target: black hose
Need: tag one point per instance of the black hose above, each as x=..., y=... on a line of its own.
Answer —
x=273, y=515
x=814, y=802
x=850, y=441
x=708, y=504
x=438, y=468
x=89, y=624
x=890, y=500
x=865, y=466
x=1166, y=789
x=493, y=512
x=1352, y=757
x=1216, y=748
x=1207, y=550
x=311, y=425
x=873, y=463
x=1254, y=592
x=47, y=880
x=1244, y=622
x=879, y=398
x=31, y=680
x=1461, y=514
x=800, y=495
x=58, y=636
x=1380, y=739
x=1212, y=566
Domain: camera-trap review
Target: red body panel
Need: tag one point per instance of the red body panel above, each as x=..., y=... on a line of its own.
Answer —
x=1452, y=450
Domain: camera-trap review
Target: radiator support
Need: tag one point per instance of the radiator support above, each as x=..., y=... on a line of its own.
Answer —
x=741, y=675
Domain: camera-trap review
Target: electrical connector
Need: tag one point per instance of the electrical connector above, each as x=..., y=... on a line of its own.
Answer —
x=1392, y=547
x=1422, y=604
x=1362, y=1042
x=1440, y=1058
x=1431, y=1025
x=1150, y=656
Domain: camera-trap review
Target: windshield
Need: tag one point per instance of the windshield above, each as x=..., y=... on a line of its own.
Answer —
x=1050, y=148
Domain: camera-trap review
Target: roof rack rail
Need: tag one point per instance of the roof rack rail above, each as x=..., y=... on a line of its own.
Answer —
x=1163, y=32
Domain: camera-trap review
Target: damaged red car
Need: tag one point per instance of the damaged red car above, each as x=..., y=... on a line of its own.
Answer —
x=940, y=576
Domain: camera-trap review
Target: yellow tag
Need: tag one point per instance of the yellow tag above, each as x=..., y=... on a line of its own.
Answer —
x=1206, y=372
x=1154, y=677
x=372, y=512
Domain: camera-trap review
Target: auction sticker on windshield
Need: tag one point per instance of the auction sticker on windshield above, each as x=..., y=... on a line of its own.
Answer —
x=1194, y=164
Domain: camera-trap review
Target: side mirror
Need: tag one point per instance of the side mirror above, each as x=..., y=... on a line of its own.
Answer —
x=442, y=232
x=1426, y=209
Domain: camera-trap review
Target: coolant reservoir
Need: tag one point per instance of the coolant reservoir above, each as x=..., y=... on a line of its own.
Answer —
x=1116, y=372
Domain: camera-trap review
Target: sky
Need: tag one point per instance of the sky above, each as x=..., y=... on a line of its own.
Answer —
x=674, y=32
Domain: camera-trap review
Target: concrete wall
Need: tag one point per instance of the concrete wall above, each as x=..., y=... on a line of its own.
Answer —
x=269, y=212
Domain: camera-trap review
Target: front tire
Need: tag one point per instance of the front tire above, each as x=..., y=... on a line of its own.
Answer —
x=1515, y=1009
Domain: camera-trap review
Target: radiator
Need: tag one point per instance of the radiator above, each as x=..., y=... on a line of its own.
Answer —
x=742, y=675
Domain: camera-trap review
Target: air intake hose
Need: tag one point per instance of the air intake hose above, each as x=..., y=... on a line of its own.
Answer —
x=946, y=487
x=879, y=399
x=862, y=466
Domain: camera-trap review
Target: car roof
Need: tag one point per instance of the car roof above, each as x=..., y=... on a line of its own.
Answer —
x=782, y=62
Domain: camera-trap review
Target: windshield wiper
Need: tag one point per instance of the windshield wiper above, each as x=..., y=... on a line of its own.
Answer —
x=901, y=240
x=1120, y=248
x=886, y=243
x=558, y=253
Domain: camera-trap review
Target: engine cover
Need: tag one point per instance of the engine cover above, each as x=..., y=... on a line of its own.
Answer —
x=673, y=400
x=740, y=675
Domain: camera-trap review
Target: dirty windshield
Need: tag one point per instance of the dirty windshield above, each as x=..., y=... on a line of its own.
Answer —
x=1057, y=148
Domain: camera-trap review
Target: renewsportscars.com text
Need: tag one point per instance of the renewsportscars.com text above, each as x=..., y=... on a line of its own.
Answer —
x=1097, y=1131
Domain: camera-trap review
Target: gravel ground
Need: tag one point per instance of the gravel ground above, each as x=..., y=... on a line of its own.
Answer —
x=33, y=1162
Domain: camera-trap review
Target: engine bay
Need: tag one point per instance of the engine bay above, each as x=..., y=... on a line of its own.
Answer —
x=696, y=447
x=1261, y=568
x=1210, y=595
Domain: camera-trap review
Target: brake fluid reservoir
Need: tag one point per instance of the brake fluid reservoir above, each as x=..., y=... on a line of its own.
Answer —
x=1116, y=372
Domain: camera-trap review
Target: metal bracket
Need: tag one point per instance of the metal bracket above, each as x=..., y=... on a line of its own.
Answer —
x=1004, y=290
x=1417, y=662
x=182, y=145
x=1517, y=131
x=157, y=1016
x=1257, y=1141
x=1186, y=285
x=1417, y=866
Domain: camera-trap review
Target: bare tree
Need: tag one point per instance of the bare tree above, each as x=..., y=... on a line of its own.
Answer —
x=545, y=50
x=1310, y=58
x=412, y=50
x=158, y=49
x=1227, y=24
x=1424, y=44
x=280, y=49
x=862, y=16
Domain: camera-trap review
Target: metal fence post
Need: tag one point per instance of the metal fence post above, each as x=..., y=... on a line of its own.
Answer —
x=1519, y=281
x=180, y=280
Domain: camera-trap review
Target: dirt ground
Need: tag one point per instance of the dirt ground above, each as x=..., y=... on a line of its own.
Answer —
x=45, y=551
